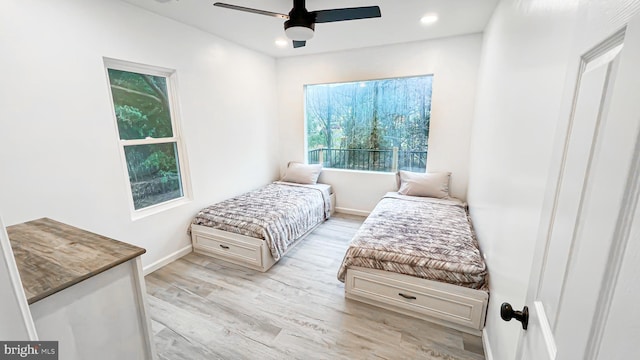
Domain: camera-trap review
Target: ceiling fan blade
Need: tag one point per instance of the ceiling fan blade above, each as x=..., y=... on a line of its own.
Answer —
x=298, y=44
x=255, y=11
x=366, y=12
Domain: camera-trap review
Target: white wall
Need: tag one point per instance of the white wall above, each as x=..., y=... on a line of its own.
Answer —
x=453, y=61
x=528, y=70
x=522, y=75
x=60, y=156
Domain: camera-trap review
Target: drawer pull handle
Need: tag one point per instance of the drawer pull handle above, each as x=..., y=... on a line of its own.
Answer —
x=408, y=297
x=224, y=247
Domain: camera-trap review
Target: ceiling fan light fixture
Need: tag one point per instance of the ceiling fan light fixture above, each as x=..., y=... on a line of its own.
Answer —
x=299, y=33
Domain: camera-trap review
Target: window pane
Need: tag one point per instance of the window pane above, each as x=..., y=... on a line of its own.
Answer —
x=377, y=125
x=154, y=173
x=141, y=105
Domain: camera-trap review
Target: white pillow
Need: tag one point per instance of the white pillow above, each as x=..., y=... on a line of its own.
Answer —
x=434, y=185
x=302, y=173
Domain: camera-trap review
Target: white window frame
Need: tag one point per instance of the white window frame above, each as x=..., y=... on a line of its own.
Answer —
x=395, y=154
x=183, y=166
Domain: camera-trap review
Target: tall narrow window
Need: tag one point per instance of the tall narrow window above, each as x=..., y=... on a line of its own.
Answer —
x=149, y=138
x=375, y=125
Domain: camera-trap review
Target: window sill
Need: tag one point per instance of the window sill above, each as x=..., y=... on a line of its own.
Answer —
x=368, y=172
x=156, y=209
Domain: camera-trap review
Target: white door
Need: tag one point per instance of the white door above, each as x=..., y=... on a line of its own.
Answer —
x=590, y=255
x=16, y=323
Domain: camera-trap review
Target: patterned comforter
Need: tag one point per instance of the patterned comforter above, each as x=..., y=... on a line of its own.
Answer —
x=423, y=237
x=278, y=213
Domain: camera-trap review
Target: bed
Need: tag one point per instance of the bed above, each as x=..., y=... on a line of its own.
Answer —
x=257, y=228
x=418, y=255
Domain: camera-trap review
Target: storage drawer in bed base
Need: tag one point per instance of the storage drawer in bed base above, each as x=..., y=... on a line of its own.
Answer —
x=454, y=306
x=235, y=248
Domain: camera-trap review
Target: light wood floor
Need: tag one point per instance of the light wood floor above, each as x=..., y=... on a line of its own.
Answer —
x=202, y=308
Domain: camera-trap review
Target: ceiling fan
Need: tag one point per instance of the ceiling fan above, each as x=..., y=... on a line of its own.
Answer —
x=300, y=23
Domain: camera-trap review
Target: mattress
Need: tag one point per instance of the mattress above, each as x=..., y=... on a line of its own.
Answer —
x=418, y=236
x=278, y=213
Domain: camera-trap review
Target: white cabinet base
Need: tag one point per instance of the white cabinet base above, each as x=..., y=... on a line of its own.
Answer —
x=104, y=317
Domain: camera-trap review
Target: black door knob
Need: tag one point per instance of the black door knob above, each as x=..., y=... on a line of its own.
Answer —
x=507, y=313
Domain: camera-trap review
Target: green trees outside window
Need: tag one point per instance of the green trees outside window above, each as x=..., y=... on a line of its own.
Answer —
x=146, y=129
x=376, y=125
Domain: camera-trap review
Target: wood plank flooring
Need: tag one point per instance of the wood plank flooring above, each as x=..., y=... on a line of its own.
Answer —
x=203, y=308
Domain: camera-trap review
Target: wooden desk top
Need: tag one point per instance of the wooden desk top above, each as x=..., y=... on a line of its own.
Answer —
x=52, y=256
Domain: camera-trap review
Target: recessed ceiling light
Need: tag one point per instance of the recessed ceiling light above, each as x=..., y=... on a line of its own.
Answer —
x=282, y=43
x=429, y=19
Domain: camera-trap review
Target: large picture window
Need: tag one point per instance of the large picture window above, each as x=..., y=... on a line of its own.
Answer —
x=375, y=125
x=149, y=138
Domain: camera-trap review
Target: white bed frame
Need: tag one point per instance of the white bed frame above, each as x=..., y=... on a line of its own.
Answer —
x=239, y=249
x=453, y=306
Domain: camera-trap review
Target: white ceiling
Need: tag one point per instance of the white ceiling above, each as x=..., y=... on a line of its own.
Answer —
x=400, y=22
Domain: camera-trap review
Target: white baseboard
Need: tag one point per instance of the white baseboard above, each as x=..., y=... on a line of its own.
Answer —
x=488, y=355
x=167, y=260
x=352, y=211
